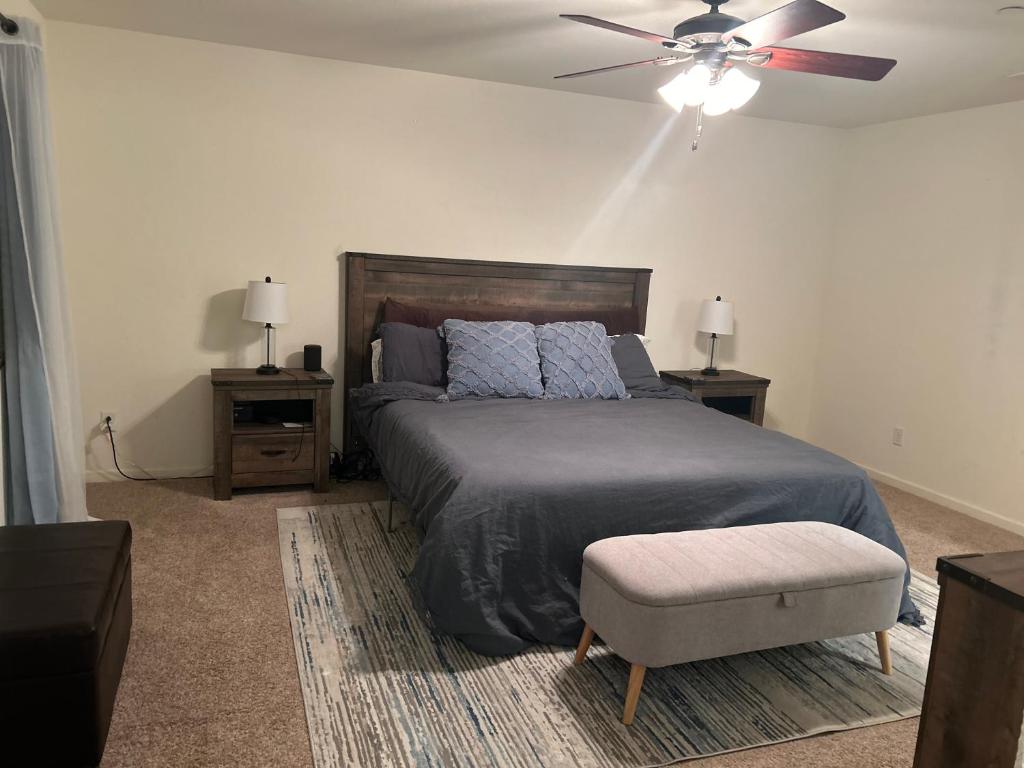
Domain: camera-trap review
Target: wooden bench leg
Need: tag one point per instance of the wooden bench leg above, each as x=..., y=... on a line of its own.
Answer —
x=882, y=638
x=636, y=680
x=584, y=646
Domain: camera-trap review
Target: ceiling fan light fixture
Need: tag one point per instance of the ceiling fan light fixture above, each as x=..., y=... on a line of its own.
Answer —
x=732, y=91
x=687, y=89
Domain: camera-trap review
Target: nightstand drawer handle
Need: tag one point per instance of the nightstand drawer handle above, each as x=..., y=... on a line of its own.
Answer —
x=279, y=452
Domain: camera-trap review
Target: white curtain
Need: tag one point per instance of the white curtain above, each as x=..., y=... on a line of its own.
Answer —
x=44, y=454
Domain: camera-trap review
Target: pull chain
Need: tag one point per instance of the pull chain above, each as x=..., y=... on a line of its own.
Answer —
x=700, y=127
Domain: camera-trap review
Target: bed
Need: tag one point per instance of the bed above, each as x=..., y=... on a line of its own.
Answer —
x=506, y=494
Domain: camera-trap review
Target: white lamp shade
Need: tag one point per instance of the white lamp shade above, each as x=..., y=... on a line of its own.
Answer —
x=739, y=87
x=716, y=102
x=687, y=89
x=715, y=317
x=266, y=302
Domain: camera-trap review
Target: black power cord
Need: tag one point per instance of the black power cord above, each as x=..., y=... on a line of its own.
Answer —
x=113, y=451
x=302, y=439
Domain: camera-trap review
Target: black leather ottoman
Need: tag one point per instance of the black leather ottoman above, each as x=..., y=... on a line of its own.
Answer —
x=65, y=619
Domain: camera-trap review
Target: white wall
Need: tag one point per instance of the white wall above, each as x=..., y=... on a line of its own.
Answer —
x=188, y=168
x=23, y=9
x=924, y=320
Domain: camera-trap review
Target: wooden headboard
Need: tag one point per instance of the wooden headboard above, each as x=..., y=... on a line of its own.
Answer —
x=370, y=278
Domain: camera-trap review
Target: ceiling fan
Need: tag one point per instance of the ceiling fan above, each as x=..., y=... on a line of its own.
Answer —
x=717, y=42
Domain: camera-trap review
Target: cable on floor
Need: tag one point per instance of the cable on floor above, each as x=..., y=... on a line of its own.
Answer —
x=125, y=475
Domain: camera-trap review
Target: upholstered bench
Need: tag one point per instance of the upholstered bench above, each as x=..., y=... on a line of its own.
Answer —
x=670, y=598
x=65, y=620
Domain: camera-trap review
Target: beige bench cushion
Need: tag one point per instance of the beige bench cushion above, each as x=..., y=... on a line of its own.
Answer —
x=667, y=598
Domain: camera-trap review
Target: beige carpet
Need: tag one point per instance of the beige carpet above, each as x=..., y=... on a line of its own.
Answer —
x=211, y=679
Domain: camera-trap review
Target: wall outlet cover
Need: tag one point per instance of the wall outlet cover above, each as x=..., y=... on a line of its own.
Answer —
x=897, y=436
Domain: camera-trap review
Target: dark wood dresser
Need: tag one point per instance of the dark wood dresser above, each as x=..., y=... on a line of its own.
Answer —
x=734, y=392
x=974, y=698
x=270, y=430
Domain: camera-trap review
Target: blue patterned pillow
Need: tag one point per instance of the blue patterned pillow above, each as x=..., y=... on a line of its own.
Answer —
x=496, y=359
x=576, y=362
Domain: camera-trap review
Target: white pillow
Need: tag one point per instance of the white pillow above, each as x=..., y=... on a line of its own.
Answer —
x=376, y=350
x=645, y=340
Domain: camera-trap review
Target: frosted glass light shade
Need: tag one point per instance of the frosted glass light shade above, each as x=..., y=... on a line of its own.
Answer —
x=266, y=302
x=739, y=87
x=715, y=317
x=717, y=101
x=687, y=89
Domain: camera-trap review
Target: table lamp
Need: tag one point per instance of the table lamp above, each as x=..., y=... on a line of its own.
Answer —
x=267, y=302
x=715, y=318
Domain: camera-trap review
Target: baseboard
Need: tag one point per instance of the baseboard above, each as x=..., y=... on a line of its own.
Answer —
x=112, y=475
x=943, y=500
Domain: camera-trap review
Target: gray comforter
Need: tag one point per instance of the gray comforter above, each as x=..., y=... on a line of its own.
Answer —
x=507, y=493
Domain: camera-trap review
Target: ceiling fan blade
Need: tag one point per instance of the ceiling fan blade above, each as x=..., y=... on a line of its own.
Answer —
x=788, y=21
x=659, y=62
x=825, y=63
x=611, y=25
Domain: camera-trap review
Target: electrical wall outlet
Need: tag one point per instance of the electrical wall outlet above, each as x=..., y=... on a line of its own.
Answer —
x=897, y=436
x=104, y=415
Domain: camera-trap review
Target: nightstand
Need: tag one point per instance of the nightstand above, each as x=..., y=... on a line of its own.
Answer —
x=733, y=392
x=270, y=430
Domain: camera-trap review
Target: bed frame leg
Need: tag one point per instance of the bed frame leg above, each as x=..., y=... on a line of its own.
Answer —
x=636, y=681
x=584, y=646
x=882, y=638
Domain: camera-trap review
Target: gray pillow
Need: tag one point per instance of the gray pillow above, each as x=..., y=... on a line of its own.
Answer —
x=634, y=364
x=412, y=354
x=576, y=362
x=492, y=359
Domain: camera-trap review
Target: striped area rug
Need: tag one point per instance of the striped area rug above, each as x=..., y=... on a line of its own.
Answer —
x=380, y=689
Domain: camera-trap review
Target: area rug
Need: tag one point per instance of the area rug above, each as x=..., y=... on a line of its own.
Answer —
x=380, y=689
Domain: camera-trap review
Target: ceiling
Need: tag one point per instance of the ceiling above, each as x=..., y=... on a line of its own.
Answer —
x=952, y=54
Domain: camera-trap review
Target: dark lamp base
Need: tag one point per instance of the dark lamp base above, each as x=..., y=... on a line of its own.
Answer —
x=268, y=370
x=709, y=372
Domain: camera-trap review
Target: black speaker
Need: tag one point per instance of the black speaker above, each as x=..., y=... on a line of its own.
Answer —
x=311, y=357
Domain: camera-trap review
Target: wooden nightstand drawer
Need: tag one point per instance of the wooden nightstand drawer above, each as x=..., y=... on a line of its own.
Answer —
x=272, y=453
